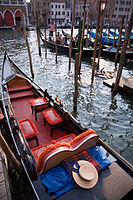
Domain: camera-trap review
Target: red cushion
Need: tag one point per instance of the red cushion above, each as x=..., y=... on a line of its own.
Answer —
x=28, y=128
x=38, y=101
x=52, y=116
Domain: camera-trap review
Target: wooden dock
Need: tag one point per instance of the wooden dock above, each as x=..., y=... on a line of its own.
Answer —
x=125, y=85
x=4, y=179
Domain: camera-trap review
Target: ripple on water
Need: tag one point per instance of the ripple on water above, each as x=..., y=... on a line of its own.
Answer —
x=111, y=118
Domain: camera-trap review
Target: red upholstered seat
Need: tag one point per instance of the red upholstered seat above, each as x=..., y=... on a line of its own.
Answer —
x=37, y=151
x=53, y=154
x=53, y=118
x=28, y=129
x=38, y=105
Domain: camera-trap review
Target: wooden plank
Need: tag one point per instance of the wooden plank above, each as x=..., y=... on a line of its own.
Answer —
x=21, y=94
x=4, y=182
x=123, y=84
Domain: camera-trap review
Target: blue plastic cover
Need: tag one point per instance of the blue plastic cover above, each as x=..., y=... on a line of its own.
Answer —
x=57, y=181
x=99, y=156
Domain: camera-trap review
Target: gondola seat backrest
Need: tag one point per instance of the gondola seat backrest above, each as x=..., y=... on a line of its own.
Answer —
x=54, y=154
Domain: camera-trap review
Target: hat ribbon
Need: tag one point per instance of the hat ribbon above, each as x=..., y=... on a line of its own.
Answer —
x=77, y=170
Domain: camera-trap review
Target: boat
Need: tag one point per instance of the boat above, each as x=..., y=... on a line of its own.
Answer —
x=42, y=145
x=87, y=51
x=111, y=51
x=106, y=40
x=123, y=35
x=112, y=33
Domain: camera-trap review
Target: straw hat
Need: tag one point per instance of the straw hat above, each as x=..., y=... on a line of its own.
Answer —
x=86, y=176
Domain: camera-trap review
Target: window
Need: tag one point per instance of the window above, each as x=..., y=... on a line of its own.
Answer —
x=58, y=6
x=52, y=6
x=67, y=14
x=122, y=2
x=119, y=16
x=62, y=6
x=59, y=13
x=120, y=9
x=55, y=6
x=52, y=13
x=63, y=13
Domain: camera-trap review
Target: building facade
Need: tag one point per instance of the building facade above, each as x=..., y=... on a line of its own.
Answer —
x=42, y=7
x=62, y=10
x=10, y=13
x=88, y=5
x=115, y=9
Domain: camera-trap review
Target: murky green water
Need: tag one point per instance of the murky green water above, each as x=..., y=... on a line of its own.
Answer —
x=111, y=118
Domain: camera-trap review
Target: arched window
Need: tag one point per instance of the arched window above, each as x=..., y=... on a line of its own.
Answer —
x=0, y=19
x=18, y=18
x=9, y=18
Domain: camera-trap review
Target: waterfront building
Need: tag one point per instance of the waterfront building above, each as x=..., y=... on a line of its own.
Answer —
x=42, y=7
x=47, y=9
x=62, y=10
x=115, y=9
x=10, y=13
x=88, y=5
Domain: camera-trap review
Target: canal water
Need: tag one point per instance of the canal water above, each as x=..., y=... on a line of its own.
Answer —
x=112, y=119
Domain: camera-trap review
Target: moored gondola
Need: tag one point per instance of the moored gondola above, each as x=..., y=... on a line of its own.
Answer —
x=45, y=135
x=111, y=51
x=87, y=51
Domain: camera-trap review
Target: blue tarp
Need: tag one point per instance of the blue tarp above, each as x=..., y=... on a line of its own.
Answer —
x=58, y=181
x=105, y=39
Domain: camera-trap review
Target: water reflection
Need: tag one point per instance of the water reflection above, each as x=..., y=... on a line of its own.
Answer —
x=111, y=118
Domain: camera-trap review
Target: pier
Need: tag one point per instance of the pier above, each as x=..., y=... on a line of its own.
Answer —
x=5, y=193
x=125, y=85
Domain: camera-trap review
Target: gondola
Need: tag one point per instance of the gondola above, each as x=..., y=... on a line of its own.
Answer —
x=111, y=51
x=44, y=135
x=87, y=52
x=106, y=40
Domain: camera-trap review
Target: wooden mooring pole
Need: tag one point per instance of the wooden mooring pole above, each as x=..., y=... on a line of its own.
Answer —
x=100, y=42
x=56, y=40
x=70, y=46
x=27, y=44
x=81, y=43
x=45, y=26
x=122, y=57
x=75, y=83
x=9, y=154
x=95, y=44
x=114, y=33
x=108, y=33
x=119, y=40
x=38, y=34
x=87, y=39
